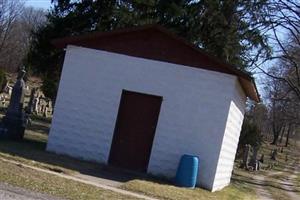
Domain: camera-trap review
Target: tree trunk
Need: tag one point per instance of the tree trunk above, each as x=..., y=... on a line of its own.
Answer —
x=275, y=137
x=288, y=135
x=282, y=133
x=275, y=134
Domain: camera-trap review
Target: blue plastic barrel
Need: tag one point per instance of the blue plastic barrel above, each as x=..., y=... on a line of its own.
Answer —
x=187, y=171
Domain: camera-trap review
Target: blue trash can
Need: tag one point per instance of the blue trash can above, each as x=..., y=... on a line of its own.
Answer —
x=187, y=171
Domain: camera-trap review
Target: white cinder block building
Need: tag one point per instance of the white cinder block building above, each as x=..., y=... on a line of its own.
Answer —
x=140, y=98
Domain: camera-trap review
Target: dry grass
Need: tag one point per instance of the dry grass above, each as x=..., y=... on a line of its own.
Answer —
x=52, y=185
x=237, y=190
x=298, y=181
x=31, y=151
x=278, y=194
x=282, y=157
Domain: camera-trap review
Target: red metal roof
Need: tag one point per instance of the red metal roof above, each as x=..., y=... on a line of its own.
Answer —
x=157, y=43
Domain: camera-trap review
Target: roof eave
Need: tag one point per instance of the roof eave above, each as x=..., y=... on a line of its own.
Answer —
x=246, y=81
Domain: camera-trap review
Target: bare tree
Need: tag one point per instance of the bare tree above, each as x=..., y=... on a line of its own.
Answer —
x=16, y=24
x=282, y=20
x=9, y=11
x=283, y=106
x=30, y=20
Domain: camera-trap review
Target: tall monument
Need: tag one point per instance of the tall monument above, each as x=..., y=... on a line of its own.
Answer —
x=14, y=120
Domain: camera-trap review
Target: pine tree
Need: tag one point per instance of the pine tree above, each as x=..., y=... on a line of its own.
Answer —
x=228, y=30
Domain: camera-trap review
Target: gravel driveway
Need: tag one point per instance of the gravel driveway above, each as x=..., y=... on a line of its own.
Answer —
x=8, y=192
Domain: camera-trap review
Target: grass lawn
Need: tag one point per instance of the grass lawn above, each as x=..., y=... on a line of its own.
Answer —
x=282, y=157
x=52, y=185
x=236, y=191
x=31, y=151
x=298, y=181
x=243, y=183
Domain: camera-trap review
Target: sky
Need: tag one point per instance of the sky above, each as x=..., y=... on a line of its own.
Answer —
x=44, y=4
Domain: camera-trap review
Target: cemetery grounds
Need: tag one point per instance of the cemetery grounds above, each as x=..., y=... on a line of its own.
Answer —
x=278, y=179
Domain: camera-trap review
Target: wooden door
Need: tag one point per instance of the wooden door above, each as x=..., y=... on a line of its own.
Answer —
x=135, y=130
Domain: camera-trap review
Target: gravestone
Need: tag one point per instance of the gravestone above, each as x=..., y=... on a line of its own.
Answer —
x=36, y=102
x=262, y=158
x=273, y=154
x=246, y=156
x=253, y=161
x=13, y=123
x=31, y=104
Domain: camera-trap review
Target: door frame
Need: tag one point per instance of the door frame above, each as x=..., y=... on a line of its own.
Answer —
x=123, y=93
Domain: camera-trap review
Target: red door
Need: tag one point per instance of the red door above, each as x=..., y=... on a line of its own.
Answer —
x=135, y=130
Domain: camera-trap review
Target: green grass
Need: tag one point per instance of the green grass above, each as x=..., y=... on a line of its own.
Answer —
x=49, y=184
x=236, y=191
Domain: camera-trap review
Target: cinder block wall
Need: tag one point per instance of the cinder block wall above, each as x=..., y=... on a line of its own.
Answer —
x=192, y=120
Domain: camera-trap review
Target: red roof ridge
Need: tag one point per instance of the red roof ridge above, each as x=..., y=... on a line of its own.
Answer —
x=246, y=80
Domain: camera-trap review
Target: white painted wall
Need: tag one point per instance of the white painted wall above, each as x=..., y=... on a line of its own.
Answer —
x=231, y=138
x=192, y=120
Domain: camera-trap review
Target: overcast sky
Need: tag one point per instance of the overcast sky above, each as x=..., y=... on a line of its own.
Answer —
x=45, y=4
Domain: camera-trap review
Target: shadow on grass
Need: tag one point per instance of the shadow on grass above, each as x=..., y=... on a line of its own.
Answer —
x=39, y=128
x=33, y=147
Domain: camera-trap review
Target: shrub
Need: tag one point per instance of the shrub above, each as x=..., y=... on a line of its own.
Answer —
x=49, y=88
x=250, y=134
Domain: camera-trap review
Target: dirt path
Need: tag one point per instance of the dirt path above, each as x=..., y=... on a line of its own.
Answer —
x=288, y=184
x=261, y=191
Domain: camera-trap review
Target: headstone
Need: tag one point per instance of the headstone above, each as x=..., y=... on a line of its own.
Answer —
x=273, y=154
x=2, y=99
x=47, y=107
x=50, y=108
x=40, y=104
x=246, y=155
x=253, y=161
x=13, y=123
x=36, y=105
x=262, y=158
x=30, y=107
x=7, y=89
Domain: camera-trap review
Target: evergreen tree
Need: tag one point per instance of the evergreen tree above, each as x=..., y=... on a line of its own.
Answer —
x=228, y=30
